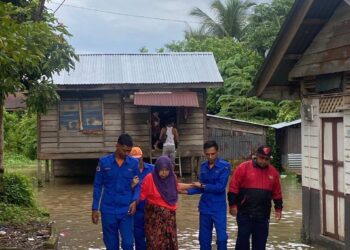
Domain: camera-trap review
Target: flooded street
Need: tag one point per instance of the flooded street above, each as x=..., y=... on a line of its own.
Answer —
x=69, y=202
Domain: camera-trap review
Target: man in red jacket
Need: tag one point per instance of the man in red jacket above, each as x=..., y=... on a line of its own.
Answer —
x=253, y=185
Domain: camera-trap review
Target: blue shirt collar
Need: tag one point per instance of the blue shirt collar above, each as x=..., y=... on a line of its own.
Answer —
x=215, y=164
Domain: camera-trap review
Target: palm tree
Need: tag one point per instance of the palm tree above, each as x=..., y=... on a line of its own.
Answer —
x=229, y=20
x=198, y=34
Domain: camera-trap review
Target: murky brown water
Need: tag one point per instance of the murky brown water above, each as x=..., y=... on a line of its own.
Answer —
x=69, y=203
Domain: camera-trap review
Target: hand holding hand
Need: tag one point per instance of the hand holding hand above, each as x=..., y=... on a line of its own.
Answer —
x=197, y=184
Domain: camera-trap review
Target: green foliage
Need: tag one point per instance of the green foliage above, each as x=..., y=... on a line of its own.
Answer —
x=17, y=189
x=20, y=215
x=17, y=161
x=248, y=108
x=20, y=134
x=265, y=23
x=288, y=111
x=229, y=19
x=222, y=48
x=271, y=142
x=143, y=50
x=31, y=51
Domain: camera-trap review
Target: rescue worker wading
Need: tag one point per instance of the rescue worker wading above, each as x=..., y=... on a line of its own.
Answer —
x=139, y=218
x=214, y=174
x=113, y=181
x=253, y=185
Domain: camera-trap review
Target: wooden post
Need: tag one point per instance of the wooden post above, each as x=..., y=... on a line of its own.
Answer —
x=52, y=169
x=47, y=171
x=40, y=181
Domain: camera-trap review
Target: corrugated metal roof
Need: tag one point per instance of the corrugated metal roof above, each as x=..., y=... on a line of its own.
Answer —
x=286, y=124
x=173, y=99
x=237, y=120
x=143, y=68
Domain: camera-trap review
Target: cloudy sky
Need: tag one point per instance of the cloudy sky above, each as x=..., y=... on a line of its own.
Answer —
x=111, y=26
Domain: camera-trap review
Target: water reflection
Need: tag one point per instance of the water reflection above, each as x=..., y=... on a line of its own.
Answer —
x=69, y=203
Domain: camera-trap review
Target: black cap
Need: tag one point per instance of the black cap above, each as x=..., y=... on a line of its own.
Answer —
x=264, y=151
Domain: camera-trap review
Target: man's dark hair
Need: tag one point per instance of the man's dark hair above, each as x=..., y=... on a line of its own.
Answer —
x=125, y=139
x=210, y=144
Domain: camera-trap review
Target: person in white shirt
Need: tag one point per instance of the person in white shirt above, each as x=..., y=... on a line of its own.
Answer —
x=170, y=137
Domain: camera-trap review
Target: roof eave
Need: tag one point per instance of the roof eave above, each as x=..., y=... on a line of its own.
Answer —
x=280, y=45
x=139, y=86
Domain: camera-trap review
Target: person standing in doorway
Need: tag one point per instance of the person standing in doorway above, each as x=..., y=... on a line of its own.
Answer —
x=253, y=185
x=170, y=136
x=117, y=203
x=214, y=174
x=139, y=218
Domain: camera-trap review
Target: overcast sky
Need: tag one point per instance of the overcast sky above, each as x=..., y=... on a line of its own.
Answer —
x=102, y=30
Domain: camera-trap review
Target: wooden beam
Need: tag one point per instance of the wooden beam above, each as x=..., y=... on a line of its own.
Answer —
x=287, y=92
x=282, y=45
x=292, y=56
x=314, y=21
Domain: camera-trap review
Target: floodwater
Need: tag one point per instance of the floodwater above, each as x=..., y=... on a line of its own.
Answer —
x=69, y=202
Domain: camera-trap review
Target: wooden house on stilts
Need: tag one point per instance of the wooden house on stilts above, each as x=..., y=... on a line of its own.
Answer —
x=110, y=94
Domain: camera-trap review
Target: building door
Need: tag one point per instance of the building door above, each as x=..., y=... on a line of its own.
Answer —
x=333, y=177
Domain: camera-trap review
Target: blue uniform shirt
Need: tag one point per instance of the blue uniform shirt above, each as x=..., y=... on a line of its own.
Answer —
x=113, y=183
x=147, y=168
x=213, y=198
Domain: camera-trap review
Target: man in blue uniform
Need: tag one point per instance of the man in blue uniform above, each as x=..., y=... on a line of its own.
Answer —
x=114, y=196
x=139, y=221
x=214, y=174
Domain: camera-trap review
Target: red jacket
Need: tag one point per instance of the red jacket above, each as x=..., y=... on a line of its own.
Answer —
x=252, y=188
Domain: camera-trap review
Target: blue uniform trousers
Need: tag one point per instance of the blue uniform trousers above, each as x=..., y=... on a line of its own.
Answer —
x=248, y=226
x=112, y=225
x=206, y=223
x=139, y=230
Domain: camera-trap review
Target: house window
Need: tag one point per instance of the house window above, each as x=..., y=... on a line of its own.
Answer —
x=91, y=115
x=69, y=115
x=81, y=115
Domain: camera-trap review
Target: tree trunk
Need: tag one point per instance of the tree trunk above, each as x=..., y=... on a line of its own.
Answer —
x=2, y=168
x=39, y=11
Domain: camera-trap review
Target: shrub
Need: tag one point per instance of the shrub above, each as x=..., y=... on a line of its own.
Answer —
x=17, y=189
x=20, y=134
x=19, y=214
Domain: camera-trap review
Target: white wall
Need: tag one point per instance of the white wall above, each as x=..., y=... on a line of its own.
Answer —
x=347, y=150
x=311, y=147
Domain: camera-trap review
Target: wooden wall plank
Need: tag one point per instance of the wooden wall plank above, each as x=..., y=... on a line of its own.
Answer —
x=330, y=50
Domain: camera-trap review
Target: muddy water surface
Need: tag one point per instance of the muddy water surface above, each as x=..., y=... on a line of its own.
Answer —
x=69, y=203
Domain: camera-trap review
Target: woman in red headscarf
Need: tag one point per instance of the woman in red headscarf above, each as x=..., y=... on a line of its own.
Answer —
x=159, y=189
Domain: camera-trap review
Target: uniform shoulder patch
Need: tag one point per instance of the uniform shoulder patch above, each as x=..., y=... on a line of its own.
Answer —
x=98, y=168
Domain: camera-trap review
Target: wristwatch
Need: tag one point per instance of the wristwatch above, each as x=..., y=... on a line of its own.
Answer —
x=202, y=185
